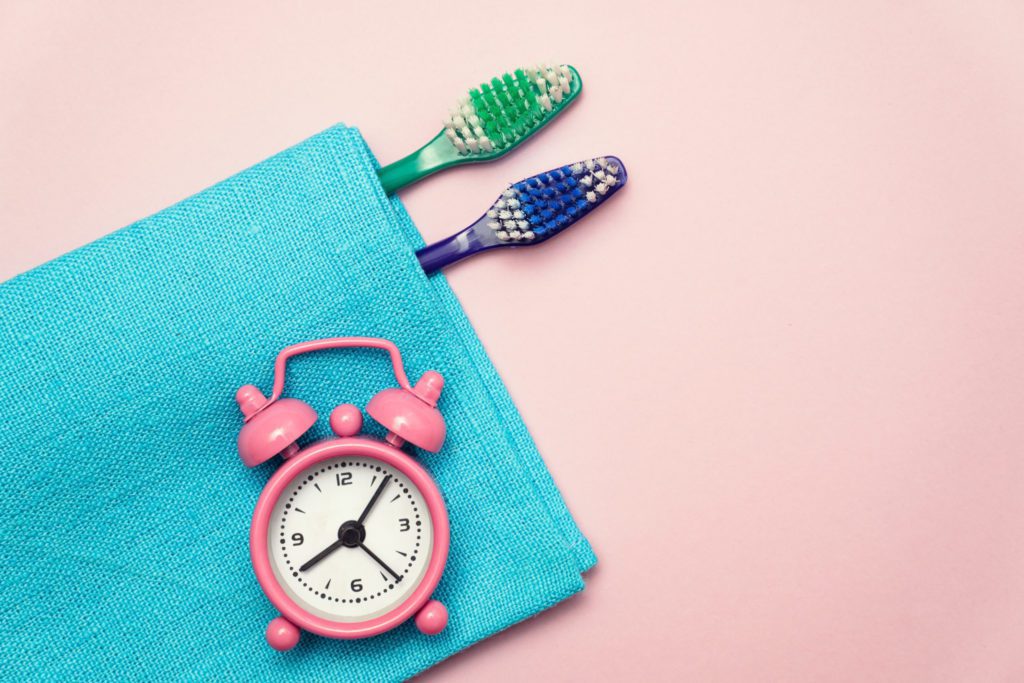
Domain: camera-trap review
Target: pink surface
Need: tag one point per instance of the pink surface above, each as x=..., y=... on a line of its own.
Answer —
x=815, y=471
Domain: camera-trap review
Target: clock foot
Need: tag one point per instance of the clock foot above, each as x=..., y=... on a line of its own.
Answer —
x=282, y=634
x=432, y=619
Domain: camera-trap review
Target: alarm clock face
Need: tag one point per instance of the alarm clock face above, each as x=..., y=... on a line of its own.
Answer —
x=350, y=538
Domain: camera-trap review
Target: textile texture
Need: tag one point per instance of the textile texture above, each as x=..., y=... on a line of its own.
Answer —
x=124, y=508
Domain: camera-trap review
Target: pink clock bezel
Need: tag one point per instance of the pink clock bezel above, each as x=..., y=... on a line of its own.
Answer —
x=258, y=537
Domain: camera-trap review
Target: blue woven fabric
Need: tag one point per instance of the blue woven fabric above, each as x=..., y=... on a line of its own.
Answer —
x=124, y=509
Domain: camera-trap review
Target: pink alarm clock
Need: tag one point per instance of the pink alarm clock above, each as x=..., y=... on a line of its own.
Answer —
x=350, y=536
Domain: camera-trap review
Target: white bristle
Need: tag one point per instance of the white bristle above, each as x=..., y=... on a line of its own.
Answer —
x=549, y=80
x=610, y=181
x=504, y=215
x=517, y=214
x=513, y=203
x=509, y=192
x=591, y=197
x=528, y=235
x=492, y=213
x=493, y=225
x=508, y=225
x=589, y=163
x=602, y=162
x=586, y=180
x=577, y=168
x=502, y=235
x=601, y=188
x=500, y=204
x=523, y=225
x=514, y=234
x=599, y=174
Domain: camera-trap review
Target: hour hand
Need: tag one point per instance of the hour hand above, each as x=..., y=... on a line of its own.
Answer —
x=321, y=555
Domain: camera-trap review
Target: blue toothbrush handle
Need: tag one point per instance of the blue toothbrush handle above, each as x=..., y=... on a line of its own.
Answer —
x=532, y=211
x=441, y=254
x=474, y=239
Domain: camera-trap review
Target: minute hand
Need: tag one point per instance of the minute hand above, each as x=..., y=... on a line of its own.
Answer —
x=376, y=495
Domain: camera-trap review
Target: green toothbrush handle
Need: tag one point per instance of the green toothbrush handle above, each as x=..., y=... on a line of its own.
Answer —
x=514, y=118
x=430, y=158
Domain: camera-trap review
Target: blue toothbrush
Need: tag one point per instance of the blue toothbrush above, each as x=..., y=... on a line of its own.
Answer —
x=531, y=211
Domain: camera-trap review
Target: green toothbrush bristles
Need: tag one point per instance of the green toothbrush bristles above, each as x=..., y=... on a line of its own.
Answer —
x=499, y=114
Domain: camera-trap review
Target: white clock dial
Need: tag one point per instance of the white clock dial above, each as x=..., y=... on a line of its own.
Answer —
x=350, y=538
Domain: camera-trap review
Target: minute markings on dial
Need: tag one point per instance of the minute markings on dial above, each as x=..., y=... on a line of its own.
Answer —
x=346, y=477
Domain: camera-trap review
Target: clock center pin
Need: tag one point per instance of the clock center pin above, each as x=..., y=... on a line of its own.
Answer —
x=351, y=534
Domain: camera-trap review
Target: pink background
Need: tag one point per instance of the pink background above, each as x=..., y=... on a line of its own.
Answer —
x=785, y=383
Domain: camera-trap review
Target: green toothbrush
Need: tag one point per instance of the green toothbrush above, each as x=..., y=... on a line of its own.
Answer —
x=490, y=122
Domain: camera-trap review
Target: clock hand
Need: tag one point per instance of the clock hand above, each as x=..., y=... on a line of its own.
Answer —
x=348, y=530
x=322, y=554
x=376, y=495
x=381, y=562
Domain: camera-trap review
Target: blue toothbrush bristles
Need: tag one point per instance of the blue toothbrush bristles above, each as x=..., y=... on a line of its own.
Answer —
x=542, y=206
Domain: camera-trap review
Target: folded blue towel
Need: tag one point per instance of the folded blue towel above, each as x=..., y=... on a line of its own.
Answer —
x=124, y=509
